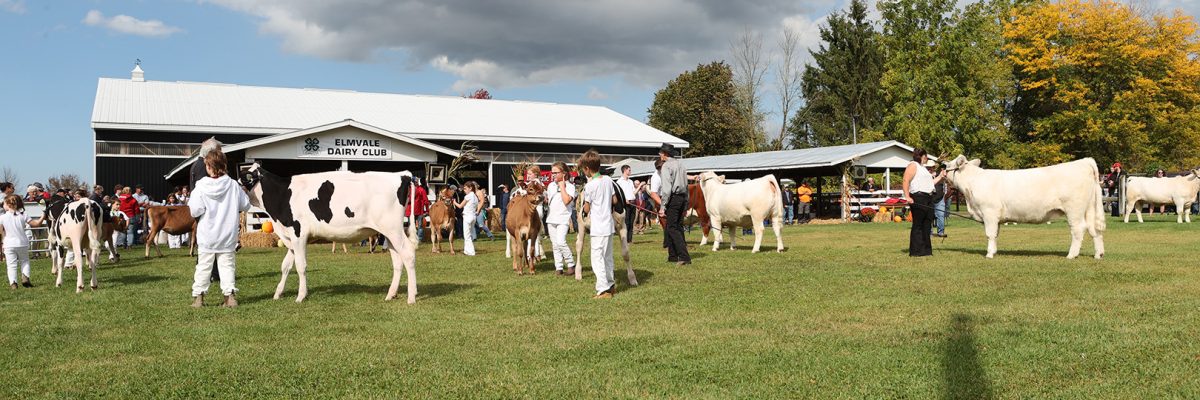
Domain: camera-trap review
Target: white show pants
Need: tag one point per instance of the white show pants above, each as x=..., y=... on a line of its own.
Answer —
x=468, y=227
x=562, y=250
x=225, y=267
x=602, y=262
x=16, y=257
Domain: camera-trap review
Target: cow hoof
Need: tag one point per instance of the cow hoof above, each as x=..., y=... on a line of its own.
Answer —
x=79, y=289
x=95, y=287
x=276, y=297
x=412, y=301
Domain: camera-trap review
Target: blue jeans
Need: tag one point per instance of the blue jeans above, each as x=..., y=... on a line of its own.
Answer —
x=481, y=224
x=420, y=221
x=939, y=211
x=132, y=237
x=788, y=213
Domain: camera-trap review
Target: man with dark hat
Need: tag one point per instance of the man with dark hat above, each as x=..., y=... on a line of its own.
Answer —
x=674, y=196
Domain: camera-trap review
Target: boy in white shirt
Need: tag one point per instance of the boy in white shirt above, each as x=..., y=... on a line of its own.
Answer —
x=598, y=195
x=219, y=200
x=560, y=195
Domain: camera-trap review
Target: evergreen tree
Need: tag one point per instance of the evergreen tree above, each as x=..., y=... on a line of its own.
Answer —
x=842, y=90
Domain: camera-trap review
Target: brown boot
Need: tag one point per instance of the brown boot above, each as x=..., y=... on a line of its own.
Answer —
x=198, y=301
x=230, y=302
x=25, y=282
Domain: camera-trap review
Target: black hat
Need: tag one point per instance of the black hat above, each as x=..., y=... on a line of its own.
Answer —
x=667, y=148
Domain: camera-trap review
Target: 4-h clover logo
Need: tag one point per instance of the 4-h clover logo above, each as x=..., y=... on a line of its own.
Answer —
x=312, y=145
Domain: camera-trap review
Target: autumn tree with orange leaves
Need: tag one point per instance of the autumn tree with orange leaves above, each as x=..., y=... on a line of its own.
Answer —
x=1101, y=79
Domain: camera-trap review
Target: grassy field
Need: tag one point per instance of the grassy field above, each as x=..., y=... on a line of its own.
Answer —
x=843, y=313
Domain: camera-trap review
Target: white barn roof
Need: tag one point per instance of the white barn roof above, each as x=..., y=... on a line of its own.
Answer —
x=887, y=154
x=216, y=107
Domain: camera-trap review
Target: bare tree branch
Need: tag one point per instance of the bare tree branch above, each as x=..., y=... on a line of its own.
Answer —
x=8, y=175
x=787, y=80
x=750, y=66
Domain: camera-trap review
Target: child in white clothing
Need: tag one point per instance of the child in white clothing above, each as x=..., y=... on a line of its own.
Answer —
x=598, y=194
x=219, y=200
x=560, y=195
x=16, y=244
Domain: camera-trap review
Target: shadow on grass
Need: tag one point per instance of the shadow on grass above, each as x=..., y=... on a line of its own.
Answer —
x=423, y=291
x=983, y=252
x=136, y=279
x=963, y=375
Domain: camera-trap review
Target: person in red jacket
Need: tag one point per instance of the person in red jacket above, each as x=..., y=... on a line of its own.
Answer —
x=129, y=207
x=420, y=207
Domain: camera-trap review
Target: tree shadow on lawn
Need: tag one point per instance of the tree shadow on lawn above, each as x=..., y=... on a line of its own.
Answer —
x=962, y=373
x=136, y=279
x=983, y=252
x=423, y=291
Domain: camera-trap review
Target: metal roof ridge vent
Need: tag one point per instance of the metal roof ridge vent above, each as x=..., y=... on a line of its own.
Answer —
x=207, y=83
x=331, y=90
x=138, y=74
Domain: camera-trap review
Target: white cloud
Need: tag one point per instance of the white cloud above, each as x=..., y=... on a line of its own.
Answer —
x=130, y=25
x=13, y=6
x=596, y=94
x=509, y=43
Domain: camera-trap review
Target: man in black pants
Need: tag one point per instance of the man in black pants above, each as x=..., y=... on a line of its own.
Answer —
x=675, y=198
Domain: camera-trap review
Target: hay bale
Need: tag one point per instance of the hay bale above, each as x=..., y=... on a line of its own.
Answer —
x=258, y=239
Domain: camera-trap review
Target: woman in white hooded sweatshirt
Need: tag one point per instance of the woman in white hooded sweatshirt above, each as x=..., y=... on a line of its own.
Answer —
x=219, y=199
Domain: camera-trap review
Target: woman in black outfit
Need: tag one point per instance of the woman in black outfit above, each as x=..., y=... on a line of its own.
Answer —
x=918, y=192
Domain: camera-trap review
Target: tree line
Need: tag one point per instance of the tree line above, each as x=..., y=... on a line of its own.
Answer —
x=1017, y=83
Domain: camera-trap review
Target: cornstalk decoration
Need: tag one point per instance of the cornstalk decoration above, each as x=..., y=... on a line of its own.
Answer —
x=466, y=157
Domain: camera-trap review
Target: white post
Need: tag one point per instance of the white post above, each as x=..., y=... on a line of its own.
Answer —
x=887, y=181
x=845, y=201
x=491, y=187
x=345, y=166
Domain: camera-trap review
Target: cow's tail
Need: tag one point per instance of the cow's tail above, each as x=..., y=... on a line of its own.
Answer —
x=95, y=227
x=777, y=203
x=1097, y=217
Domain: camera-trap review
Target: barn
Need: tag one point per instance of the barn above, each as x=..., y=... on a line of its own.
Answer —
x=146, y=132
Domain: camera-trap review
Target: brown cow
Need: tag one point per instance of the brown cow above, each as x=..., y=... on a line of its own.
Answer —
x=107, y=229
x=441, y=216
x=174, y=220
x=522, y=225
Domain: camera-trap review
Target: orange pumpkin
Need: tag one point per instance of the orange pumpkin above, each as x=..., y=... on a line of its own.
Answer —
x=267, y=227
x=908, y=217
x=896, y=218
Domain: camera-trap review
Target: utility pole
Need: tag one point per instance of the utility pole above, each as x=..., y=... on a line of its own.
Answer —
x=854, y=128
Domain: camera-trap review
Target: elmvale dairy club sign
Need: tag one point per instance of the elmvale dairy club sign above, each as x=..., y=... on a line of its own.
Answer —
x=344, y=148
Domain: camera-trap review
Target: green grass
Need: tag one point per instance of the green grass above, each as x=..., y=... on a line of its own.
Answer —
x=844, y=313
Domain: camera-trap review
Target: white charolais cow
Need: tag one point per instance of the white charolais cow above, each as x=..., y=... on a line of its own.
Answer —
x=1033, y=195
x=339, y=206
x=746, y=203
x=1180, y=191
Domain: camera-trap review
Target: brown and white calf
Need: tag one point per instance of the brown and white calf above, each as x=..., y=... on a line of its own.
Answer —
x=522, y=226
x=583, y=219
x=338, y=206
x=174, y=220
x=77, y=223
x=441, y=216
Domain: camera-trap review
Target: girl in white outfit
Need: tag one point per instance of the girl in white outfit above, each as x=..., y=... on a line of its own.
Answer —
x=470, y=207
x=560, y=195
x=216, y=202
x=16, y=244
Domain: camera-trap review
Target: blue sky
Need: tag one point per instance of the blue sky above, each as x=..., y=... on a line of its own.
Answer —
x=613, y=53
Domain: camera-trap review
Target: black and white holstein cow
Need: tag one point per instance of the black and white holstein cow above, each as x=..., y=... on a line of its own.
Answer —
x=78, y=223
x=339, y=206
x=1033, y=195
